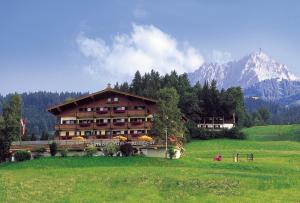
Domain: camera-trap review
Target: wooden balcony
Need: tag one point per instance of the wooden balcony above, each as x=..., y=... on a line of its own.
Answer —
x=65, y=126
x=119, y=111
x=85, y=125
x=119, y=123
x=136, y=113
x=102, y=111
x=138, y=122
x=132, y=125
x=102, y=124
x=85, y=114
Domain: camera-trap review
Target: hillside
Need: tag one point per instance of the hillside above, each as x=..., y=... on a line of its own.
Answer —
x=34, y=109
x=273, y=176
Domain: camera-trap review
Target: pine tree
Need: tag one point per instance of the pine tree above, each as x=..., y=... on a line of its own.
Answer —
x=136, y=86
x=10, y=125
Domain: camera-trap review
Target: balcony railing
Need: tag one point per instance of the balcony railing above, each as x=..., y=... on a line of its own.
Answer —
x=119, y=111
x=102, y=124
x=136, y=112
x=85, y=114
x=119, y=123
x=139, y=122
x=65, y=126
x=102, y=112
x=85, y=124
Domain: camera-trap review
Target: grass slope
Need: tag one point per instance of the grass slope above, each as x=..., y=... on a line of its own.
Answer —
x=274, y=133
x=273, y=176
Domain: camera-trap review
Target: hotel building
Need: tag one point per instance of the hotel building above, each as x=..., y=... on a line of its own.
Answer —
x=104, y=114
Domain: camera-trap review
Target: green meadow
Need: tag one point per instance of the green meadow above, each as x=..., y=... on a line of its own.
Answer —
x=273, y=176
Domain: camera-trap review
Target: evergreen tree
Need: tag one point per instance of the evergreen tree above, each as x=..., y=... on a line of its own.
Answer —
x=124, y=87
x=33, y=137
x=45, y=136
x=10, y=125
x=136, y=86
x=168, y=114
x=264, y=114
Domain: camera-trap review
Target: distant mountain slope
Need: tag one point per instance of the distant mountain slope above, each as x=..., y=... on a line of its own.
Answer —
x=273, y=89
x=257, y=74
x=245, y=72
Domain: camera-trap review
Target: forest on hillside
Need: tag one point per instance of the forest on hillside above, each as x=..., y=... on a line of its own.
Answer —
x=34, y=109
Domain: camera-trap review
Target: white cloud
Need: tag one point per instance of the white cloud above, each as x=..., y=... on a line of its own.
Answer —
x=145, y=48
x=221, y=56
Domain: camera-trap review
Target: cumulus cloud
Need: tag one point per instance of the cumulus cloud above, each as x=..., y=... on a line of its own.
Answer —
x=221, y=56
x=145, y=48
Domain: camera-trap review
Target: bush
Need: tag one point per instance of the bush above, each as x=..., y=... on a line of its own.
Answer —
x=91, y=150
x=235, y=133
x=53, y=148
x=64, y=152
x=22, y=155
x=171, y=152
x=126, y=149
x=110, y=149
x=204, y=134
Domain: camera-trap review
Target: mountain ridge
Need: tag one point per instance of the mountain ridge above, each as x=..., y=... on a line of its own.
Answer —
x=244, y=72
x=257, y=73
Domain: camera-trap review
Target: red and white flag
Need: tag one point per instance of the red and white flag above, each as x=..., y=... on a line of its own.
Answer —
x=23, y=126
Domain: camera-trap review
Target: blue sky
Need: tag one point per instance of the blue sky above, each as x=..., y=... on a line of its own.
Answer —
x=83, y=45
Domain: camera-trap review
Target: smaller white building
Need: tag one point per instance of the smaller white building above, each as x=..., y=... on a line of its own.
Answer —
x=216, y=123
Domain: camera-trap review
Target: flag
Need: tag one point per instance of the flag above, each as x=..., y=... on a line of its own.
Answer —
x=23, y=126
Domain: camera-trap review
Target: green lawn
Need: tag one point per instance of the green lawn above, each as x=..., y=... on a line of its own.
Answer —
x=273, y=176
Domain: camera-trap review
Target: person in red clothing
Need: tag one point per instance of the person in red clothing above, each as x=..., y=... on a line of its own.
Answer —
x=218, y=157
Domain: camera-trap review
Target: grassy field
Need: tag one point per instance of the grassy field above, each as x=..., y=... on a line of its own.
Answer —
x=274, y=176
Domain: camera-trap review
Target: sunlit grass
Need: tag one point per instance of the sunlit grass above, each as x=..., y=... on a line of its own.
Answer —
x=273, y=176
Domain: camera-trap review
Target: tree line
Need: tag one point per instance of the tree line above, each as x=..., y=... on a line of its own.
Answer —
x=195, y=101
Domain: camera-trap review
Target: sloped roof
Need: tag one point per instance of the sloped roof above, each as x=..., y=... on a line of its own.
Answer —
x=91, y=96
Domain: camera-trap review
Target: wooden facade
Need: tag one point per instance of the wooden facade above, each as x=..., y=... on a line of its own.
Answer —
x=105, y=114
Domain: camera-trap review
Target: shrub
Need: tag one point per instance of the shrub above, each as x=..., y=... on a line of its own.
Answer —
x=235, y=133
x=91, y=150
x=53, y=148
x=171, y=152
x=204, y=134
x=64, y=152
x=110, y=149
x=22, y=155
x=126, y=149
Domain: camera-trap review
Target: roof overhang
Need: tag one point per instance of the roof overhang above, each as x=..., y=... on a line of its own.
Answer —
x=56, y=109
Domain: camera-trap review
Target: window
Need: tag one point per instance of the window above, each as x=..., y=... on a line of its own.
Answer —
x=108, y=99
x=69, y=122
x=116, y=99
x=139, y=107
